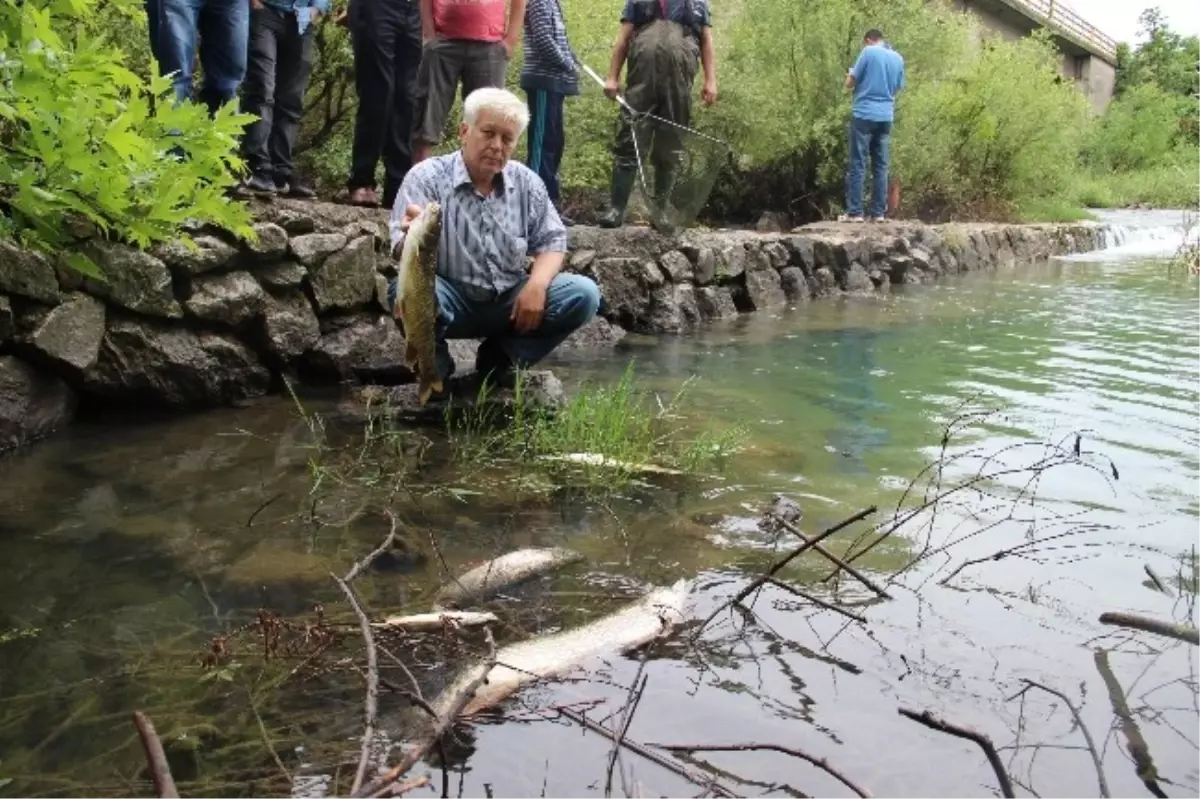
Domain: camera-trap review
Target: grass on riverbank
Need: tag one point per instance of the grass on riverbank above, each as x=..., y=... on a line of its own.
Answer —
x=603, y=438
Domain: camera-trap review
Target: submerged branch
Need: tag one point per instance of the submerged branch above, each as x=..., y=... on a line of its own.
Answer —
x=359, y=567
x=841, y=564
x=1181, y=632
x=381, y=786
x=819, y=762
x=928, y=719
x=164, y=783
x=816, y=600
x=371, y=703
x=1087, y=735
x=1138, y=749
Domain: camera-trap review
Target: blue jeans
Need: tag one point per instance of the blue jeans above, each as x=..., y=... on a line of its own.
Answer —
x=223, y=30
x=571, y=302
x=874, y=138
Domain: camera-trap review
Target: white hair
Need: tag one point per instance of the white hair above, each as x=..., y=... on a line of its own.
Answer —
x=500, y=102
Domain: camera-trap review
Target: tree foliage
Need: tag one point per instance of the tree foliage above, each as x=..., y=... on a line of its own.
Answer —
x=84, y=139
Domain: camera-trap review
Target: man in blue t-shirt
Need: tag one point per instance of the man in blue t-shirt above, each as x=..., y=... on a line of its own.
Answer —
x=875, y=78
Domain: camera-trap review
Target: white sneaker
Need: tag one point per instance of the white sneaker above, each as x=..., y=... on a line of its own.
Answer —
x=845, y=218
x=877, y=219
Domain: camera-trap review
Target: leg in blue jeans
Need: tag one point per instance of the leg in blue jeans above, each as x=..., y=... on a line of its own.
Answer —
x=174, y=39
x=860, y=134
x=224, y=27
x=545, y=137
x=571, y=302
x=881, y=136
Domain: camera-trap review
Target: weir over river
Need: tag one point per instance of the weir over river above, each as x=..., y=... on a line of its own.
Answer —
x=128, y=548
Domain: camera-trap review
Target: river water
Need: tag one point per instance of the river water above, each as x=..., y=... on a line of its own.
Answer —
x=129, y=547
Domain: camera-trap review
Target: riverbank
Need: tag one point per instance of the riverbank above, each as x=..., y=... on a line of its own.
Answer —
x=188, y=329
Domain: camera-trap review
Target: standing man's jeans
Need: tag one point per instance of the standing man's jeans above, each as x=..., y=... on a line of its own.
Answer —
x=464, y=312
x=545, y=137
x=873, y=138
x=276, y=79
x=222, y=29
x=386, y=35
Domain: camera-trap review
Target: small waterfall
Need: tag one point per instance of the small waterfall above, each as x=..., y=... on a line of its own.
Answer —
x=1141, y=234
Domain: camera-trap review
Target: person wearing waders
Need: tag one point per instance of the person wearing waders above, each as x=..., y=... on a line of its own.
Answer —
x=662, y=42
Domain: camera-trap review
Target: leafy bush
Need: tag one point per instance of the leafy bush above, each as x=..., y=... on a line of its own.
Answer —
x=1139, y=130
x=1001, y=130
x=87, y=140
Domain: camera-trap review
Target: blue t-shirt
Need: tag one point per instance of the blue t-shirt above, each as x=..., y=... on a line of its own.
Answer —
x=677, y=10
x=878, y=75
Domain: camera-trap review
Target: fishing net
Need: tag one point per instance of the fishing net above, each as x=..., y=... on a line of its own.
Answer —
x=677, y=166
x=677, y=169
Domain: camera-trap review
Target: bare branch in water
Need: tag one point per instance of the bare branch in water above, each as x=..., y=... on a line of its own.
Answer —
x=631, y=705
x=1182, y=632
x=380, y=786
x=928, y=719
x=819, y=762
x=164, y=783
x=767, y=575
x=1159, y=585
x=1138, y=749
x=1087, y=735
x=841, y=564
x=359, y=567
x=371, y=704
x=816, y=600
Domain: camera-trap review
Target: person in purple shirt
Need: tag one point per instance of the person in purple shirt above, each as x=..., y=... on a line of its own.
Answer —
x=875, y=78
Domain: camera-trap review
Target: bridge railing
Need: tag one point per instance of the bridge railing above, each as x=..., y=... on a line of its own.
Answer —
x=1062, y=19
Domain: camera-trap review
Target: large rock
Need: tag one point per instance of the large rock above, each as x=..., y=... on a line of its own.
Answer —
x=313, y=249
x=858, y=279
x=794, y=284
x=762, y=290
x=271, y=242
x=68, y=334
x=625, y=286
x=730, y=261
x=133, y=279
x=291, y=326
x=363, y=342
x=676, y=266
x=281, y=275
x=231, y=299
x=345, y=280
x=596, y=334
x=28, y=274
x=210, y=253
x=33, y=404
x=715, y=302
x=174, y=366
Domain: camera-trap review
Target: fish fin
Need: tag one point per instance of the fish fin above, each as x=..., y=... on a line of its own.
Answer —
x=410, y=355
x=436, y=384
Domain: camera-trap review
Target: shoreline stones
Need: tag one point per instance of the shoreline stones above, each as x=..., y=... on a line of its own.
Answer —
x=224, y=321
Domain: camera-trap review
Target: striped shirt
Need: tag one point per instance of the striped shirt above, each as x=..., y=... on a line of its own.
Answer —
x=549, y=62
x=485, y=240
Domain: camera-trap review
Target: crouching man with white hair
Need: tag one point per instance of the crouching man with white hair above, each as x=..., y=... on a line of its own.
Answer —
x=495, y=213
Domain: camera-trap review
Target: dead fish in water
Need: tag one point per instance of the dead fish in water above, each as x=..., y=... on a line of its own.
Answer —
x=502, y=572
x=416, y=298
x=653, y=615
x=420, y=622
x=596, y=459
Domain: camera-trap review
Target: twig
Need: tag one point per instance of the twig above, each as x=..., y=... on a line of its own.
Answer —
x=819, y=762
x=841, y=564
x=371, y=704
x=1182, y=632
x=358, y=568
x=816, y=600
x=401, y=788
x=164, y=783
x=262, y=729
x=423, y=622
x=1087, y=735
x=653, y=757
x=928, y=719
x=1138, y=749
x=759, y=581
x=1159, y=585
x=635, y=698
x=379, y=786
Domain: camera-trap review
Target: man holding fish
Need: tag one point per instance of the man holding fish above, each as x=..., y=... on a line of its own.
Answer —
x=486, y=216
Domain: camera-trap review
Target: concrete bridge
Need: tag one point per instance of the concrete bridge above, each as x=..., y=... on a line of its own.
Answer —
x=1089, y=57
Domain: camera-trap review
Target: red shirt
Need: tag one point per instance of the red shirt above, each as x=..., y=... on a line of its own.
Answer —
x=481, y=20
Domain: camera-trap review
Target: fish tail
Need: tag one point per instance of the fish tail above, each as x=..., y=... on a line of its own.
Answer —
x=426, y=390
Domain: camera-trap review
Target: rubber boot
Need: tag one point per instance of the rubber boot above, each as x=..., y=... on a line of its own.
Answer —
x=621, y=189
x=664, y=184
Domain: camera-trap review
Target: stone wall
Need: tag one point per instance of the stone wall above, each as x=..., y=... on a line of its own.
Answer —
x=195, y=328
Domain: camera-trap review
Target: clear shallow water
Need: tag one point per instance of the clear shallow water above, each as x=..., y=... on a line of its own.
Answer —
x=129, y=548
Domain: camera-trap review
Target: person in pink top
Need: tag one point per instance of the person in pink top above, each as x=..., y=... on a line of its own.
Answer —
x=463, y=41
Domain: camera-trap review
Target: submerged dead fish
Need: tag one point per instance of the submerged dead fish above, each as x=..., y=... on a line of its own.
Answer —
x=502, y=572
x=653, y=615
x=416, y=298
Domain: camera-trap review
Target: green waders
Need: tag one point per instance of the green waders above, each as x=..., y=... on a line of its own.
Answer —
x=660, y=71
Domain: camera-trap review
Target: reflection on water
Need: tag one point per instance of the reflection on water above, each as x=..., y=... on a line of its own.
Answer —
x=129, y=548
